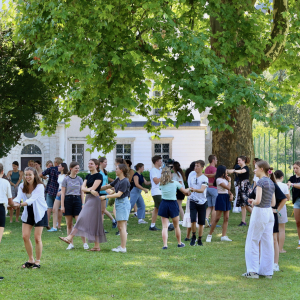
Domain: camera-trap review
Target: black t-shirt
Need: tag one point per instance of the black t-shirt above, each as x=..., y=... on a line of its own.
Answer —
x=296, y=192
x=244, y=176
x=279, y=195
x=140, y=180
x=236, y=178
x=122, y=186
x=90, y=179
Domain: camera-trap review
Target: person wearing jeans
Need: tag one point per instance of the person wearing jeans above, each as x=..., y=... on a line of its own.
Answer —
x=136, y=193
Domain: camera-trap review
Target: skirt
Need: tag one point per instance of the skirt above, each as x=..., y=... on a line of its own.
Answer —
x=244, y=190
x=89, y=222
x=186, y=222
x=282, y=218
x=223, y=202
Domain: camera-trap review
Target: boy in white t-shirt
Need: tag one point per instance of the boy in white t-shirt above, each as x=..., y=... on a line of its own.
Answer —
x=198, y=183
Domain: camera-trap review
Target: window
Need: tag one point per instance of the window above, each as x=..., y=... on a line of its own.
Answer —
x=157, y=94
x=163, y=150
x=30, y=135
x=123, y=151
x=31, y=149
x=157, y=111
x=78, y=154
x=127, y=111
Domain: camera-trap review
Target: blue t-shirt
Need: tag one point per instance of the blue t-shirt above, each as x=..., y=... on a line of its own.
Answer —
x=141, y=178
x=105, y=182
x=169, y=190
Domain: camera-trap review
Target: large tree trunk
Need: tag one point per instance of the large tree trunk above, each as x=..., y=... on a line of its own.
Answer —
x=227, y=146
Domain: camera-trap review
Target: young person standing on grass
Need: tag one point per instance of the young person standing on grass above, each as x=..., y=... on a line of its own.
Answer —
x=260, y=230
x=198, y=184
x=244, y=187
x=103, y=172
x=32, y=192
x=136, y=197
x=179, y=176
x=57, y=213
x=122, y=204
x=223, y=205
x=282, y=214
x=89, y=223
x=15, y=176
x=52, y=186
x=294, y=182
x=211, y=192
x=169, y=207
x=72, y=200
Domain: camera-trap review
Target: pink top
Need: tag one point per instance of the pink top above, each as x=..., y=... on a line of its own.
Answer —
x=221, y=190
x=211, y=170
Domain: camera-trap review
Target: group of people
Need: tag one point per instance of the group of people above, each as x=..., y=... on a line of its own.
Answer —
x=208, y=193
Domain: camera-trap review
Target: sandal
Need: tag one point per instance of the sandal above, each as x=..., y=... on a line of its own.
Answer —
x=27, y=265
x=94, y=249
x=35, y=266
x=65, y=239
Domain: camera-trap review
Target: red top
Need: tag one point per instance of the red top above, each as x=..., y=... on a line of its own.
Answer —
x=211, y=170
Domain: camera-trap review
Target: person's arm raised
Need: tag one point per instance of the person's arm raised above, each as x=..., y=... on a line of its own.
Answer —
x=203, y=187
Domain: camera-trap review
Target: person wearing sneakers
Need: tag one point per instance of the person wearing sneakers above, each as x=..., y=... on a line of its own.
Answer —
x=223, y=205
x=169, y=207
x=211, y=191
x=198, y=184
x=136, y=192
x=122, y=204
x=260, y=230
x=72, y=200
x=294, y=182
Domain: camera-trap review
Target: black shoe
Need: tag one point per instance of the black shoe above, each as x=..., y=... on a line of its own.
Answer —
x=242, y=224
x=114, y=225
x=118, y=233
x=135, y=215
x=154, y=228
x=164, y=248
x=193, y=241
x=1, y=278
x=199, y=243
x=186, y=239
x=105, y=231
x=171, y=227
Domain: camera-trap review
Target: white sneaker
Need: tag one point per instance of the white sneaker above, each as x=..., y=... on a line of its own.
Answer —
x=86, y=246
x=70, y=247
x=119, y=249
x=208, y=238
x=225, y=239
x=141, y=221
x=180, y=223
x=251, y=275
x=276, y=268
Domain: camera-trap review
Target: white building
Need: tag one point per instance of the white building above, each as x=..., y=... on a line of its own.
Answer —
x=190, y=142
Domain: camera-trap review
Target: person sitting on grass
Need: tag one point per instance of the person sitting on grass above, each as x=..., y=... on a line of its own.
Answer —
x=169, y=207
x=223, y=205
x=122, y=204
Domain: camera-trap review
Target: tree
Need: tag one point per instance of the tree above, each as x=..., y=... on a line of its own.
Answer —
x=24, y=98
x=104, y=56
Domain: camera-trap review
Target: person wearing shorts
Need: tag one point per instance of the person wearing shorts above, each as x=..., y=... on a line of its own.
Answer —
x=198, y=184
x=169, y=207
x=72, y=200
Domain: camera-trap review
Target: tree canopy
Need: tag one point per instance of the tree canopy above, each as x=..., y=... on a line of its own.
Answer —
x=103, y=56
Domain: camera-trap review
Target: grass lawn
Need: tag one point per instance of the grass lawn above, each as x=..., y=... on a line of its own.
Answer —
x=145, y=271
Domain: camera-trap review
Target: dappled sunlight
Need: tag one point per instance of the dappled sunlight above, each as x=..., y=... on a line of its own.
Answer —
x=293, y=268
x=133, y=263
x=8, y=232
x=181, y=278
x=291, y=234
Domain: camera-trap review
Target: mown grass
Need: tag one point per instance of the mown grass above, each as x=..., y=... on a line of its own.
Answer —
x=145, y=271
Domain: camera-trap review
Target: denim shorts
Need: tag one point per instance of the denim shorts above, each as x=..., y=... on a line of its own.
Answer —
x=58, y=197
x=211, y=196
x=122, y=209
x=50, y=200
x=297, y=203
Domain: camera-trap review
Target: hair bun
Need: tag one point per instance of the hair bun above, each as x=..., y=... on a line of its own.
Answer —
x=271, y=169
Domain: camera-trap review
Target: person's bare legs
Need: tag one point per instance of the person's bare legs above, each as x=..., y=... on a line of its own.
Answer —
x=208, y=211
x=249, y=209
x=11, y=214
x=49, y=210
x=82, y=238
x=26, y=231
x=276, y=247
x=17, y=214
x=177, y=229
x=59, y=219
x=213, y=214
x=181, y=212
x=200, y=230
x=106, y=212
x=55, y=212
x=297, y=219
x=123, y=233
x=135, y=208
x=164, y=231
x=38, y=243
x=243, y=214
x=225, y=222
x=69, y=221
x=154, y=215
x=215, y=221
x=1, y=233
x=281, y=237
x=188, y=232
x=194, y=227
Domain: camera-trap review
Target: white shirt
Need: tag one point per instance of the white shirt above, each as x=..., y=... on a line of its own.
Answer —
x=196, y=183
x=255, y=179
x=221, y=190
x=37, y=200
x=177, y=177
x=5, y=191
x=155, y=173
x=60, y=179
x=284, y=188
